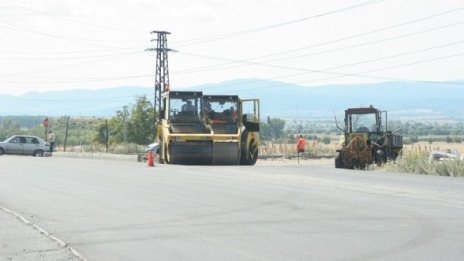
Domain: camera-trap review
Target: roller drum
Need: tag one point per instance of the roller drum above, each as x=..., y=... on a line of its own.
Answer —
x=191, y=152
x=226, y=153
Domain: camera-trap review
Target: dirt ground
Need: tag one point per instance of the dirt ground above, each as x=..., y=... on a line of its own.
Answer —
x=294, y=161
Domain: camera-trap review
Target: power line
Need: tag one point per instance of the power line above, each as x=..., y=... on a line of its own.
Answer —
x=364, y=34
x=139, y=47
x=303, y=70
x=339, y=39
x=87, y=99
x=340, y=75
x=71, y=57
x=246, y=62
x=70, y=39
x=75, y=101
x=104, y=27
x=272, y=26
x=80, y=80
x=398, y=55
x=92, y=62
x=359, y=74
x=361, y=44
x=363, y=73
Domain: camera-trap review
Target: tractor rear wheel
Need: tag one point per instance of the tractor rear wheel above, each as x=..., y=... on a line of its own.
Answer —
x=338, y=161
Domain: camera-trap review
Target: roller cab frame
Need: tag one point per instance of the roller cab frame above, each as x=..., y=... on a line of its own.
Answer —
x=235, y=126
x=366, y=139
x=181, y=131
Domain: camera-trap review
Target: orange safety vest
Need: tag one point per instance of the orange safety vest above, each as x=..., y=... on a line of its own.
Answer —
x=300, y=144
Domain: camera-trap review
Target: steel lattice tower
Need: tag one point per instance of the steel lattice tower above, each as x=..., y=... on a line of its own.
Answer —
x=162, y=69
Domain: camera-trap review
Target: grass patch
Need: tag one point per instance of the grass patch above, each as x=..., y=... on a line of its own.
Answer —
x=313, y=147
x=417, y=163
x=128, y=149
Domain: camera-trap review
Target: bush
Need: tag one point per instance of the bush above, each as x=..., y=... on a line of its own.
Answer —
x=418, y=163
x=130, y=148
x=326, y=140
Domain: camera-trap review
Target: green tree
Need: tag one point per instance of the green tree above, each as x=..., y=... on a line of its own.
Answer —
x=116, y=125
x=457, y=139
x=277, y=127
x=135, y=121
x=265, y=131
x=326, y=140
x=140, y=128
x=101, y=134
x=8, y=128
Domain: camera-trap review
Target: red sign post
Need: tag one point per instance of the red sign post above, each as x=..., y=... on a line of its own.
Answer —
x=45, y=124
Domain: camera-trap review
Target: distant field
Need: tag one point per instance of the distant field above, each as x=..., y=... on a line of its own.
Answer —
x=427, y=147
x=313, y=147
x=318, y=148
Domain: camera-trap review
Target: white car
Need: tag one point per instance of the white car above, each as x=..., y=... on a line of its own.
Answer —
x=24, y=145
x=154, y=147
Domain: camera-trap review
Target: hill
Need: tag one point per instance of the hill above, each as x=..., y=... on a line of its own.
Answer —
x=81, y=102
x=432, y=101
x=423, y=100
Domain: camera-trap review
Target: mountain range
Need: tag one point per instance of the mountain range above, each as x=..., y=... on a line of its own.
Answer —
x=405, y=100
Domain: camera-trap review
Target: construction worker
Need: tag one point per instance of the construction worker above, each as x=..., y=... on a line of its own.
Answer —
x=233, y=114
x=51, y=140
x=300, y=144
x=188, y=106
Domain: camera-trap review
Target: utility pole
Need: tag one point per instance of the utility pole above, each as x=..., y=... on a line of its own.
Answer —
x=162, y=70
x=45, y=124
x=107, y=135
x=66, y=133
x=124, y=137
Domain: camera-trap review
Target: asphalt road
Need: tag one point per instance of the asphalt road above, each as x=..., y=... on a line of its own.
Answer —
x=110, y=210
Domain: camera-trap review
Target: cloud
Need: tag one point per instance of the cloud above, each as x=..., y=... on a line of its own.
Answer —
x=194, y=13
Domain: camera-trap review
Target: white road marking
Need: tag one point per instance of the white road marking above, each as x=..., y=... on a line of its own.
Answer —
x=60, y=242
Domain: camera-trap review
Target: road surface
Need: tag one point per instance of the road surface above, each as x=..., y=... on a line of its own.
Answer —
x=110, y=210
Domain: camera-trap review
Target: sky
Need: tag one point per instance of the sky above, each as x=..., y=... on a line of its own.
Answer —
x=55, y=45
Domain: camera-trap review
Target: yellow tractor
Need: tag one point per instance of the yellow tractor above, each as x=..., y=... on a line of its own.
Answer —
x=366, y=139
x=197, y=129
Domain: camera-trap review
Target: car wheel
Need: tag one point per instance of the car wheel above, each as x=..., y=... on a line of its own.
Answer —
x=38, y=153
x=2, y=151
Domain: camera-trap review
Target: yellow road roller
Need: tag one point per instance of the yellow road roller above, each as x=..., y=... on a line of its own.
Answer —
x=235, y=126
x=212, y=129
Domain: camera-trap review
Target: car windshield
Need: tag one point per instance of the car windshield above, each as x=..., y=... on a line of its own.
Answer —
x=9, y=139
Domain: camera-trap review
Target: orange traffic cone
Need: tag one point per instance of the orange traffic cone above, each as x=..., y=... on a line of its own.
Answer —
x=150, y=159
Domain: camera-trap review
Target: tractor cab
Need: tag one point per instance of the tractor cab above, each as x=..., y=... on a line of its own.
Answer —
x=366, y=139
x=365, y=123
x=363, y=120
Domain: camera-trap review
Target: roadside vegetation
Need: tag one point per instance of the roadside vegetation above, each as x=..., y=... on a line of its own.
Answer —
x=418, y=163
x=132, y=128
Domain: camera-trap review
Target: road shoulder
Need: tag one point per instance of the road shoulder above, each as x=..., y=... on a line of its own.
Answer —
x=21, y=241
